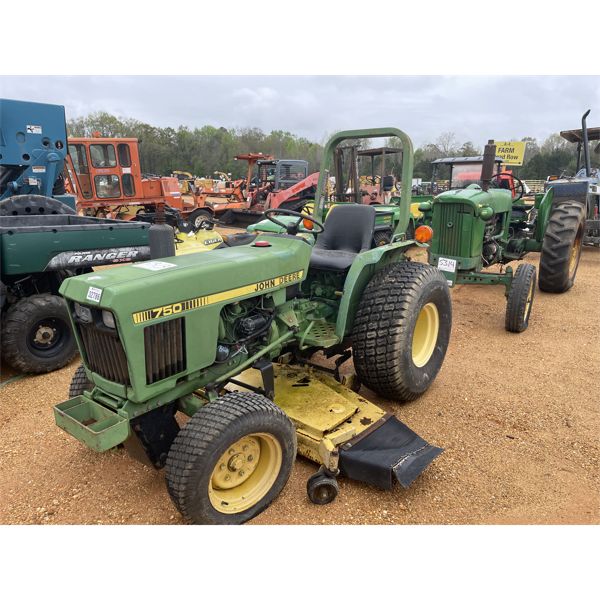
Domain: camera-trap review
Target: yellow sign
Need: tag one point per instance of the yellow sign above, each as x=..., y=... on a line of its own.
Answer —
x=193, y=303
x=512, y=153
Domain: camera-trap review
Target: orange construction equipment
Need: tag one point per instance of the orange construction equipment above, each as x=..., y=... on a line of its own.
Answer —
x=106, y=177
x=277, y=184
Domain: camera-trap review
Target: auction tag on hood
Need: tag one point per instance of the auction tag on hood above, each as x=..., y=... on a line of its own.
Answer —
x=154, y=265
x=94, y=294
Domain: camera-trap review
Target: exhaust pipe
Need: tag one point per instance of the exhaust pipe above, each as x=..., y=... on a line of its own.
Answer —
x=487, y=169
x=586, y=147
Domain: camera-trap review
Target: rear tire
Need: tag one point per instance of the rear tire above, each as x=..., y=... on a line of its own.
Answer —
x=520, y=299
x=561, y=247
x=80, y=383
x=37, y=335
x=402, y=329
x=241, y=437
x=33, y=204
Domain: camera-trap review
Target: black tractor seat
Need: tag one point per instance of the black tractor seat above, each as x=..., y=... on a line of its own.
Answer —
x=238, y=239
x=348, y=231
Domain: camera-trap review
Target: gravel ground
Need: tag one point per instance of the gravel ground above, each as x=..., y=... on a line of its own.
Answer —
x=517, y=414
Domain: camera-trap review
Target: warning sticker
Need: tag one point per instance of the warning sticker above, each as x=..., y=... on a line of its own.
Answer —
x=33, y=181
x=94, y=294
x=38, y=169
x=154, y=265
x=36, y=129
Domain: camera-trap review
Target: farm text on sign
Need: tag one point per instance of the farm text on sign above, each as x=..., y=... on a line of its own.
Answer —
x=512, y=153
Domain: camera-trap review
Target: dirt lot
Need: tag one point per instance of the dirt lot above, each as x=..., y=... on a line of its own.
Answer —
x=518, y=416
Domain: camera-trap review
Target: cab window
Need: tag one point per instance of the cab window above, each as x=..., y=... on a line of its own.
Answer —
x=80, y=164
x=128, y=185
x=107, y=186
x=124, y=156
x=103, y=155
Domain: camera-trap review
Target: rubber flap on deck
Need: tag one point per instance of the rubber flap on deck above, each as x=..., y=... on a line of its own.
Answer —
x=393, y=449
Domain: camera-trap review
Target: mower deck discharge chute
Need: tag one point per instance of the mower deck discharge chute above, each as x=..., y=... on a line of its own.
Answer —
x=227, y=338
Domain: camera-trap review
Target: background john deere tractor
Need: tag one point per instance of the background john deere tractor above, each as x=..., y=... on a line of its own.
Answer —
x=479, y=226
x=43, y=241
x=180, y=334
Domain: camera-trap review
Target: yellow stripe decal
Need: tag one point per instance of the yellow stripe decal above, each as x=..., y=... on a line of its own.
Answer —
x=185, y=305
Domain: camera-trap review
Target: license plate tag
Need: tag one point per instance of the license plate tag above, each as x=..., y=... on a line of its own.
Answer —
x=447, y=264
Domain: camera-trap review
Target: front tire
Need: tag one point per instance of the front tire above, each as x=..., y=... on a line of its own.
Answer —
x=401, y=330
x=80, y=383
x=520, y=299
x=37, y=335
x=561, y=248
x=231, y=460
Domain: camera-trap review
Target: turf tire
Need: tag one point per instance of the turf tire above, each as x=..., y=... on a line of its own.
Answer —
x=80, y=383
x=207, y=435
x=384, y=326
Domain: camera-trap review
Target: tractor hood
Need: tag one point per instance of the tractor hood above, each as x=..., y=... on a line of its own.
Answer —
x=153, y=283
x=499, y=200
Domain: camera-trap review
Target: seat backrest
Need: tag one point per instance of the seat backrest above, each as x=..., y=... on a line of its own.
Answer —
x=348, y=227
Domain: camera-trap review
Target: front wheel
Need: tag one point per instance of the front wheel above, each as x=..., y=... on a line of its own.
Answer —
x=231, y=460
x=402, y=329
x=37, y=335
x=520, y=299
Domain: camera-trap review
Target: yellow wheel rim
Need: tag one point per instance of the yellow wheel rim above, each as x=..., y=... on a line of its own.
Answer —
x=244, y=473
x=575, y=252
x=425, y=334
x=529, y=299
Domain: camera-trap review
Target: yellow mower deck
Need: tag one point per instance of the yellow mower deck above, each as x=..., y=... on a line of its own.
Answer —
x=333, y=424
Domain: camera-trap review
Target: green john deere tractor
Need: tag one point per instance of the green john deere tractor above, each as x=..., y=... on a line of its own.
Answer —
x=228, y=341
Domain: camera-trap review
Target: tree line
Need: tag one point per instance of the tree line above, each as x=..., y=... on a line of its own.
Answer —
x=207, y=149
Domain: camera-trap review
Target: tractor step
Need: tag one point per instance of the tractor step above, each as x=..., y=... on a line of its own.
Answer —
x=95, y=425
x=341, y=430
x=320, y=334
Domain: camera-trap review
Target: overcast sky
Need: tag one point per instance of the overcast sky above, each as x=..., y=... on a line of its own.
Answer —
x=474, y=108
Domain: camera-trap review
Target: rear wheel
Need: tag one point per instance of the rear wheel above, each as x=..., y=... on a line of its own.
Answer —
x=37, y=336
x=520, y=299
x=561, y=248
x=402, y=329
x=231, y=460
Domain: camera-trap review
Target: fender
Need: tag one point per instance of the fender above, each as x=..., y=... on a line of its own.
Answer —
x=362, y=270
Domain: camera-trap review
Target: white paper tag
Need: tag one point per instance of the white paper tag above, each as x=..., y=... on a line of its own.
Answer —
x=450, y=282
x=154, y=265
x=37, y=129
x=94, y=294
x=34, y=181
x=447, y=264
x=126, y=170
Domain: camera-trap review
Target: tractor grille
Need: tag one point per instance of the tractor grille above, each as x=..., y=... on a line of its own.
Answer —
x=165, y=349
x=449, y=228
x=105, y=354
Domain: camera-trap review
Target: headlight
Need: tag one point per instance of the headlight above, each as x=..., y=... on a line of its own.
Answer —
x=108, y=319
x=84, y=314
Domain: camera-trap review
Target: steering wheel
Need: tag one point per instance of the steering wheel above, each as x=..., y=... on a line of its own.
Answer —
x=517, y=183
x=293, y=228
